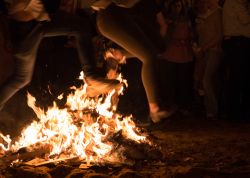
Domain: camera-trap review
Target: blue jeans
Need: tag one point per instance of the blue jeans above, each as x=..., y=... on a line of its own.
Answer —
x=26, y=40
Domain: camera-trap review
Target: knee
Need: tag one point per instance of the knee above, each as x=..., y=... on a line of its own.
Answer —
x=148, y=59
x=21, y=81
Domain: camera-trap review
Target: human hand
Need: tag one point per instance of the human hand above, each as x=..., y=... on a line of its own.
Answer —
x=26, y=10
x=198, y=52
x=14, y=7
x=35, y=7
x=101, y=4
x=125, y=3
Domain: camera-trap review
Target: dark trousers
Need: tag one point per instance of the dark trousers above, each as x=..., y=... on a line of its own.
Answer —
x=176, y=81
x=237, y=59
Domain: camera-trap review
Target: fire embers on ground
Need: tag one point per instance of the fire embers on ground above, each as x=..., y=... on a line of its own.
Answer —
x=87, y=132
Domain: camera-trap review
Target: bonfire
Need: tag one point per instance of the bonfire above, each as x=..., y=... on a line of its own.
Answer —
x=89, y=130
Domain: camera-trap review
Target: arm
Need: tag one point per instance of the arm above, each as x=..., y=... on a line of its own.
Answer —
x=125, y=3
x=243, y=12
x=22, y=16
x=25, y=10
x=15, y=6
x=217, y=24
x=163, y=25
x=103, y=4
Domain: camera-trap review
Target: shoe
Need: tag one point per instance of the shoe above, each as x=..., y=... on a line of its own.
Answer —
x=161, y=114
x=97, y=85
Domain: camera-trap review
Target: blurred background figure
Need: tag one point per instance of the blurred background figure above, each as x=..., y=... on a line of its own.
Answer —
x=177, y=59
x=236, y=46
x=208, y=54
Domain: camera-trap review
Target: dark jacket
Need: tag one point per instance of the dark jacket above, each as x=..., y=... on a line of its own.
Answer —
x=3, y=8
x=51, y=6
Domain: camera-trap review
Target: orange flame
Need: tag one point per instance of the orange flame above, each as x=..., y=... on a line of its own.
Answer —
x=82, y=129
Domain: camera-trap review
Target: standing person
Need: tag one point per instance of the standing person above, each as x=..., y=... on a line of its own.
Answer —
x=209, y=53
x=33, y=20
x=116, y=22
x=236, y=46
x=177, y=59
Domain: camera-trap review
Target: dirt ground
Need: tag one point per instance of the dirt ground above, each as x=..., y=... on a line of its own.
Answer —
x=191, y=145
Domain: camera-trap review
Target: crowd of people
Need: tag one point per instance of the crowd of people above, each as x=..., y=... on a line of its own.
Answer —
x=207, y=53
x=189, y=49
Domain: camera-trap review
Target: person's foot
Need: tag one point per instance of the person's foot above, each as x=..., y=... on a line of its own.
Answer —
x=162, y=114
x=116, y=54
x=97, y=85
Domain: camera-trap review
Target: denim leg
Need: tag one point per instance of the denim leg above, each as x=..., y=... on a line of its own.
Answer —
x=64, y=24
x=25, y=51
x=24, y=55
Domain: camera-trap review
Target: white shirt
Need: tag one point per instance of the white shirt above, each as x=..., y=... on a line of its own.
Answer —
x=34, y=6
x=236, y=18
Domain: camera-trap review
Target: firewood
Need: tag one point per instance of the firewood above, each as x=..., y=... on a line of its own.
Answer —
x=41, y=162
x=23, y=155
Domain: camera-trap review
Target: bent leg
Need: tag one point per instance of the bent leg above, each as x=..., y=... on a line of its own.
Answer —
x=25, y=57
x=119, y=27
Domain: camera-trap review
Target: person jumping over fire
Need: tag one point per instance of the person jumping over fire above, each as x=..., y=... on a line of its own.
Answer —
x=116, y=23
x=31, y=21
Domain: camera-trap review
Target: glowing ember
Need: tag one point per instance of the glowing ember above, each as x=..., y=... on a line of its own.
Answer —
x=82, y=129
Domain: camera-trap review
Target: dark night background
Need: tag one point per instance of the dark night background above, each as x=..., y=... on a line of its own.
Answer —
x=192, y=145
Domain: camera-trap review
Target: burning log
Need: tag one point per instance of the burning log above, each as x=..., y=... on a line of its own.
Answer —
x=41, y=162
x=22, y=155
